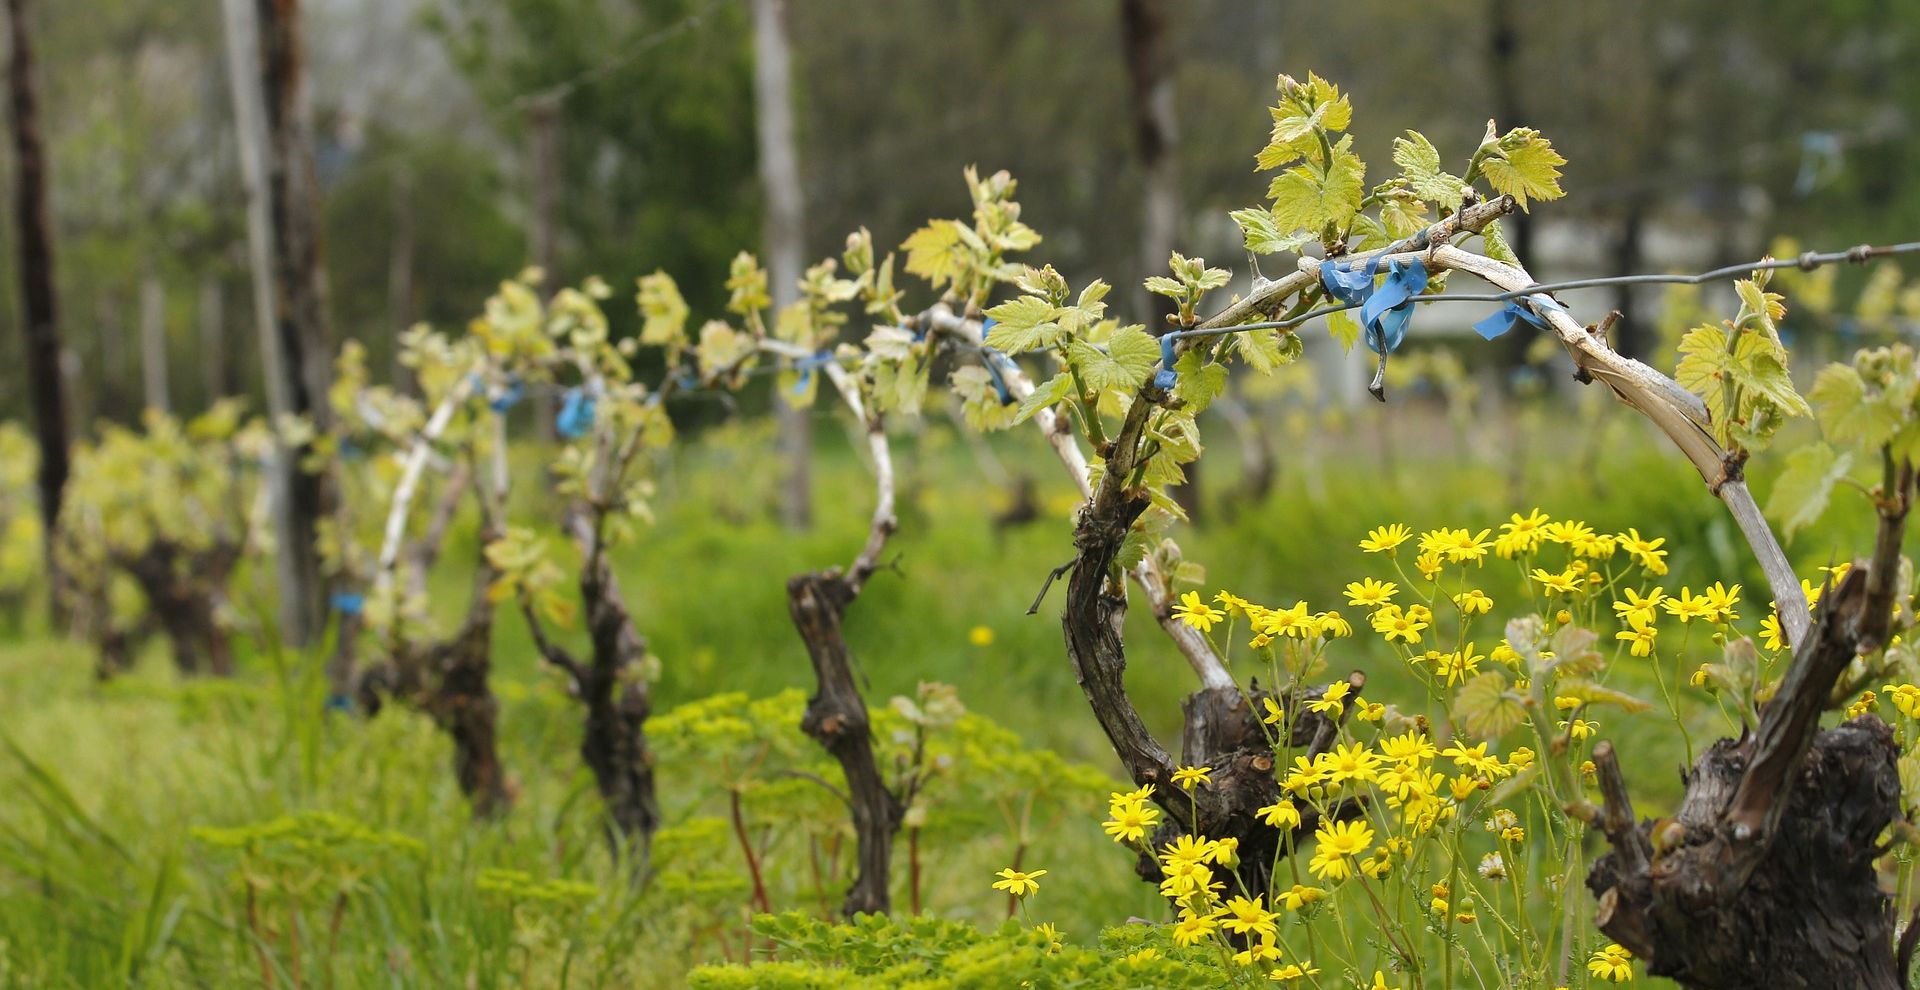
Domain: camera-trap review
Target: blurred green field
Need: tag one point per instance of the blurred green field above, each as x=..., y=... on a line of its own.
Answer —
x=103, y=881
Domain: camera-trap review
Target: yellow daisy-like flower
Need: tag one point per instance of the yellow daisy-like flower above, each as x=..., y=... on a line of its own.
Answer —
x=1338, y=844
x=1905, y=698
x=1129, y=821
x=1231, y=602
x=1689, y=607
x=1578, y=729
x=1566, y=532
x=1350, y=762
x=1452, y=668
x=1475, y=758
x=1379, y=982
x=1293, y=972
x=1646, y=553
x=1564, y=583
x=1333, y=702
x=1295, y=622
x=1722, y=599
x=1641, y=636
x=1473, y=602
x=1428, y=564
x=1017, y=883
x=1299, y=896
x=1646, y=607
x=1190, y=777
x=1385, y=538
x=1333, y=625
x=1259, y=952
x=1242, y=915
x=1368, y=593
x=1393, y=624
x=1408, y=749
x=1770, y=633
x=980, y=635
x=1282, y=814
x=1613, y=964
x=1193, y=928
x=1196, y=613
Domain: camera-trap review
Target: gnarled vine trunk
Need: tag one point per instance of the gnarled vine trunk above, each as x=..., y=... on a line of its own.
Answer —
x=615, y=692
x=448, y=680
x=836, y=718
x=1764, y=876
x=1220, y=729
x=184, y=593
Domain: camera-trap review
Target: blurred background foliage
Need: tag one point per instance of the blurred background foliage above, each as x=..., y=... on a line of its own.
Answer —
x=1695, y=129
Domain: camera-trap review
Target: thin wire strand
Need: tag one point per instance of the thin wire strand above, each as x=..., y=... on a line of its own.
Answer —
x=1804, y=262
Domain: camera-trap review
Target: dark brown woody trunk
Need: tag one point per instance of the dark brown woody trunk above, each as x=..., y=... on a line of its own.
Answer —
x=1765, y=875
x=613, y=687
x=449, y=681
x=185, y=596
x=615, y=692
x=1220, y=730
x=836, y=718
x=40, y=323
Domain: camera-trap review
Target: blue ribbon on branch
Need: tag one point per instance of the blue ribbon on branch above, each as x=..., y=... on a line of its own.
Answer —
x=516, y=390
x=805, y=367
x=1514, y=312
x=1385, y=310
x=576, y=414
x=1166, y=377
x=348, y=602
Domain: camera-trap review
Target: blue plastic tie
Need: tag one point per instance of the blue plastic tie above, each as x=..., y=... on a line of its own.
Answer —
x=1384, y=311
x=1515, y=311
x=516, y=389
x=990, y=361
x=340, y=703
x=348, y=602
x=805, y=366
x=1166, y=378
x=1390, y=307
x=576, y=414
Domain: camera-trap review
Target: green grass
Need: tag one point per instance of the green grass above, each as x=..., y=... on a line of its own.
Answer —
x=104, y=883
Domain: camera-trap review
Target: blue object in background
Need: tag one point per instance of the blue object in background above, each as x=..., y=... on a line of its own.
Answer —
x=576, y=414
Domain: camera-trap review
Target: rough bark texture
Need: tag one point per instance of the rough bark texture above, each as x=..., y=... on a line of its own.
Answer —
x=612, y=686
x=40, y=321
x=448, y=680
x=1220, y=730
x=184, y=593
x=836, y=718
x=298, y=285
x=614, y=690
x=1764, y=877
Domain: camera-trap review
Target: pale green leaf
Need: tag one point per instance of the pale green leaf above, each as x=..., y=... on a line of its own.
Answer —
x=1801, y=492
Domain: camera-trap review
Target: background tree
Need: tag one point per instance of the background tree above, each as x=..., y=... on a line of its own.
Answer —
x=40, y=316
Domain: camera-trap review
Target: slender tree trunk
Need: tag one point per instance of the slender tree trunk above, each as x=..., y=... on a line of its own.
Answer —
x=837, y=718
x=153, y=342
x=1150, y=65
x=40, y=319
x=111, y=374
x=213, y=338
x=784, y=232
x=543, y=127
x=400, y=289
x=274, y=132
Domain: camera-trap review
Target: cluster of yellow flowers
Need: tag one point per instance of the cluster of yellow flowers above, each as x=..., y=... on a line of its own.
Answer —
x=1268, y=624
